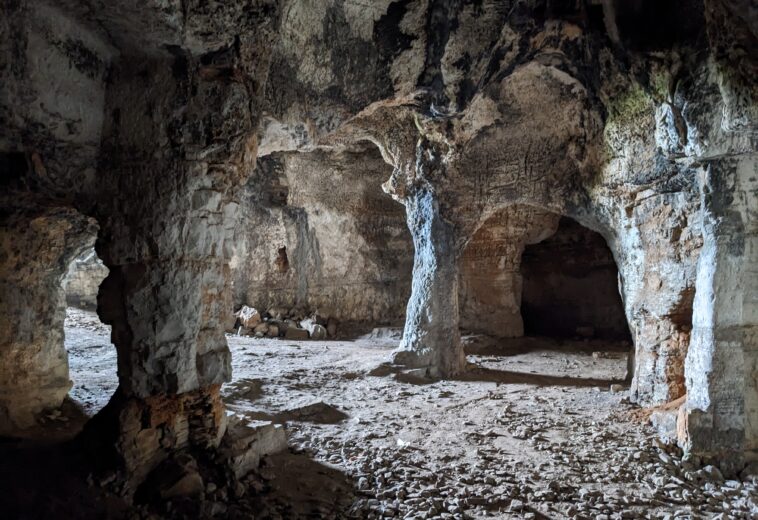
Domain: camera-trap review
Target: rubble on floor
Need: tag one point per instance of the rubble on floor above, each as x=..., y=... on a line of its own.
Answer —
x=292, y=324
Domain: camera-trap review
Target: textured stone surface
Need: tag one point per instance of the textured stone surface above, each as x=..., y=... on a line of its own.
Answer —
x=83, y=279
x=491, y=281
x=144, y=118
x=317, y=233
x=33, y=363
x=151, y=117
x=135, y=435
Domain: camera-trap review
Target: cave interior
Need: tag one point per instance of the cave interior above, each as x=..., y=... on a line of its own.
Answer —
x=397, y=259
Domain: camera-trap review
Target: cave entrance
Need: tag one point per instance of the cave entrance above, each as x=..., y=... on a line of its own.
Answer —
x=92, y=357
x=539, y=294
x=570, y=287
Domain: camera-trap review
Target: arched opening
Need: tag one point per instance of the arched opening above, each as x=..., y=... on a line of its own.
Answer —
x=570, y=287
x=47, y=352
x=91, y=355
x=543, y=291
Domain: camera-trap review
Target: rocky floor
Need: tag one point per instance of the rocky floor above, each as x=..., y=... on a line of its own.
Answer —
x=91, y=359
x=535, y=429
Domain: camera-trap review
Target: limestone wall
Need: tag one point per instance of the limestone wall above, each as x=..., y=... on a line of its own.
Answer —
x=148, y=117
x=83, y=279
x=319, y=234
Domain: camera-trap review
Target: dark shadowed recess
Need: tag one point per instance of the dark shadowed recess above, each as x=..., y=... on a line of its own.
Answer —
x=570, y=286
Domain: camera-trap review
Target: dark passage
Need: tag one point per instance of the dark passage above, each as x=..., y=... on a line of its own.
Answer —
x=570, y=286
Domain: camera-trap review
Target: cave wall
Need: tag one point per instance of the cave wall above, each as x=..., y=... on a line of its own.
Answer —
x=347, y=248
x=54, y=69
x=140, y=117
x=52, y=95
x=37, y=250
x=149, y=118
x=623, y=145
x=491, y=278
x=83, y=278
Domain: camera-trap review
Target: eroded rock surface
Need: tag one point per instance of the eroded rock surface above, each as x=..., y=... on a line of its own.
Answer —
x=229, y=153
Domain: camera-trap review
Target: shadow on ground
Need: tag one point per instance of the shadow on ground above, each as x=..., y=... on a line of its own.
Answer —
x=490, y=375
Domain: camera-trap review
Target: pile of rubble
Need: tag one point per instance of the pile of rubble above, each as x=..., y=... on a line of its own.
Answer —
x=197, y=484
x=280, y=322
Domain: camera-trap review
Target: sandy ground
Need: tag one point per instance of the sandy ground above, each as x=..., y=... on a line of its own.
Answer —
x=532, y=430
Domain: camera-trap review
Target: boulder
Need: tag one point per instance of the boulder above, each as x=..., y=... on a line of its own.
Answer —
x=315, y=331
x=273, y=331
x=175, y=477
x=248, y=316
x=318, y=332
x=281, y=327
x=296, y=333
x=245, y=444
x=261, y=328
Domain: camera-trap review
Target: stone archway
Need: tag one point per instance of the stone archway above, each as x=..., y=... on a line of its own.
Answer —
x=491, y=282
x=525, y=267
x=570, y=286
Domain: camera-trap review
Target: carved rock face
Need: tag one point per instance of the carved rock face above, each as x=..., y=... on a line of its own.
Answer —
x=234, y=151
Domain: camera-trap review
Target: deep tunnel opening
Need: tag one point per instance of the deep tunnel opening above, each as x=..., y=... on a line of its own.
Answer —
x=570, y=287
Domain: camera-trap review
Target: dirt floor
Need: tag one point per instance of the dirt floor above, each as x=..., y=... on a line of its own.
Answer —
x=535, y=429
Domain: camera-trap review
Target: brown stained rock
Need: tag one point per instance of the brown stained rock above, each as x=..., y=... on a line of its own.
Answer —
x=139, y=434
x=296, y=333
x=248, y=317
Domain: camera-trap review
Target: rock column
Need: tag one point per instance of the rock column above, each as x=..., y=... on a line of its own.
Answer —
x=431, y=338
x=173, y=159
x=33, y=362
x=720, y=418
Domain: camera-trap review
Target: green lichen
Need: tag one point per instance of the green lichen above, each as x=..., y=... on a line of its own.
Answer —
x=629, y=106
x=659, y=86
x=630, y=119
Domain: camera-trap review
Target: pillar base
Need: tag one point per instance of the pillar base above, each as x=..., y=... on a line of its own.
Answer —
x=429, y=361
x=131, y=436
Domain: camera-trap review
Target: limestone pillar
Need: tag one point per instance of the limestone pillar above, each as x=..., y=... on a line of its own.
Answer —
x=173, y=160
x=431, y=338
x=720, y=418
x=37, y=251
